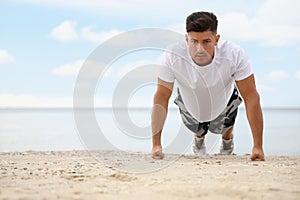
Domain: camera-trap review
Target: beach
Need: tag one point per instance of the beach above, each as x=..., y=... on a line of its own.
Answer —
x=80, y=175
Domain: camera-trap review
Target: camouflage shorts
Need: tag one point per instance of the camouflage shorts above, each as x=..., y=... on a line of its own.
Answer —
x=224, y=121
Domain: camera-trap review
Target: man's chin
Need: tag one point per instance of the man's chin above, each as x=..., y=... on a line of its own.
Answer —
x=202, y=63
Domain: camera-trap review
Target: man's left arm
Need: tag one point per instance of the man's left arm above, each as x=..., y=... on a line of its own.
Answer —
x=251, y=98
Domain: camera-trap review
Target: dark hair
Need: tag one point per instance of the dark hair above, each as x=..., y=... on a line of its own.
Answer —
x=201, y=21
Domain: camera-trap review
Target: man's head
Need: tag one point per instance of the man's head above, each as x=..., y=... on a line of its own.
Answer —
x=202, y=36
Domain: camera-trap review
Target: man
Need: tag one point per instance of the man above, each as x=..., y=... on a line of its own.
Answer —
x=210, y=74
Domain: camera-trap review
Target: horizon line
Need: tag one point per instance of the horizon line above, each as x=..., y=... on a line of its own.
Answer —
x=138, y=107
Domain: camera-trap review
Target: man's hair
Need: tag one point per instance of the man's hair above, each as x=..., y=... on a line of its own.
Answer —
x=201, y=21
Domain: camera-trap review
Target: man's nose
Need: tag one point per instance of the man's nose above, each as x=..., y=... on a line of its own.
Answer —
x=199, y=48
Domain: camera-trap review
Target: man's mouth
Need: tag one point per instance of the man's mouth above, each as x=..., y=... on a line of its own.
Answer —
x=203, y=55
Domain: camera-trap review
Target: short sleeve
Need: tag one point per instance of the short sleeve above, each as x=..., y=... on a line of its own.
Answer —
x=165, y=71
x=242, y=67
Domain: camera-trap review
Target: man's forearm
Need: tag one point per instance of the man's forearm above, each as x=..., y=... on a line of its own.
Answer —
x=156, y=139
x=159, y=113
x=255, y=118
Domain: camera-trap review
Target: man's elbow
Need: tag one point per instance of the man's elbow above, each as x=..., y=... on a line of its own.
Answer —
x=160, y=98
x=252, y=99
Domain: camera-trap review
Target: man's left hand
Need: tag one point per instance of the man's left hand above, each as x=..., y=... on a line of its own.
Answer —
x=257, y=154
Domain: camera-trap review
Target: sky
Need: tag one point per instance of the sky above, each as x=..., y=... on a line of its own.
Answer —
x=44, y=43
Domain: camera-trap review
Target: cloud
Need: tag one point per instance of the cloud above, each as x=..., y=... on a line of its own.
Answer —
x=288, y=14
x=5, y=57
x=267, y=26
x=97, y=37
x=138, y=9
x=65, y=31
x=277, y=75
x=180, y=28
x=298, y=74
x=91, y=69
x=238, y=26
x=70, y=69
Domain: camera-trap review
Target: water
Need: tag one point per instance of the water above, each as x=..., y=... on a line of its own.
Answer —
x=54, y=129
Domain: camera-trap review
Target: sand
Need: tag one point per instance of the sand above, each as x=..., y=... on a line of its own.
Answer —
x=117, y=175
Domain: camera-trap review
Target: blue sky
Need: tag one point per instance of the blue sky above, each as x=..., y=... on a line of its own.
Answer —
x=43, y=44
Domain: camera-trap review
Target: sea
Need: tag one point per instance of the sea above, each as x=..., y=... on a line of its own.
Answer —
x=60, y=129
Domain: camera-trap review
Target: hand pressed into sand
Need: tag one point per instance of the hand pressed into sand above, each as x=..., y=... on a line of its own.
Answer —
x=157, y=152
x=257, y=154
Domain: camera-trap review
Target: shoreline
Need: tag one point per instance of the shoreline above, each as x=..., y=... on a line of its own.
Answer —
x=119, y=175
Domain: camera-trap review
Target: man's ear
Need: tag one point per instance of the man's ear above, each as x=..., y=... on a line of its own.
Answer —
x=186, y=38
x=217, y=39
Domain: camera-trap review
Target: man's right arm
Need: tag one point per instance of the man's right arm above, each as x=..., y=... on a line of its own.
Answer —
x=159, y=114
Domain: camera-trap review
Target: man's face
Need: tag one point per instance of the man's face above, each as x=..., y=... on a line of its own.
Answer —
x=201, y=46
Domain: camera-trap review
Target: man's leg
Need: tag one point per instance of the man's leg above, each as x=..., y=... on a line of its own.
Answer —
x=227, y=134
x=199, y=129
x=224, y=123
x=227, y=145
x=199, y=147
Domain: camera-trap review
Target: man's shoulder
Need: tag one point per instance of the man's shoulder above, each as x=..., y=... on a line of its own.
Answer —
x=230, y=50
x=174, y=53
x=177, y=49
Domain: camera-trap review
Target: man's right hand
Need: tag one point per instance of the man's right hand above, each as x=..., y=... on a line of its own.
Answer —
x=157, y=152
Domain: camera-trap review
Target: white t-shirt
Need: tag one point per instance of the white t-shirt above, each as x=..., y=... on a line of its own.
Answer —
x=205, y=90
